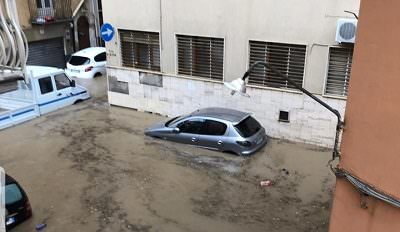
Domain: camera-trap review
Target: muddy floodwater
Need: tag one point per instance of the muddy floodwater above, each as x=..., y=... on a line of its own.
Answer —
x=89, y=167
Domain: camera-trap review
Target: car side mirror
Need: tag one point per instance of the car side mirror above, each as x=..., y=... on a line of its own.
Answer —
x=73, y=84
x=176, y=130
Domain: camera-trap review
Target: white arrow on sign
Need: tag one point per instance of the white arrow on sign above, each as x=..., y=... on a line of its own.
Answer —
x=108, y=32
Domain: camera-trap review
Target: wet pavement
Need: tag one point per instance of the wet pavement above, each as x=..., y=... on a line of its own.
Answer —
x=89, y=167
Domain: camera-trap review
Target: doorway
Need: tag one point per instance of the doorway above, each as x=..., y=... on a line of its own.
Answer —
x=83, y=32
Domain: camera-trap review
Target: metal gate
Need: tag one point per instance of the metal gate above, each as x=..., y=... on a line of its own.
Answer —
x=48, y=52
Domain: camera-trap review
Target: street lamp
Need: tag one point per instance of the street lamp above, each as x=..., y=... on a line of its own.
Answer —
x=239, y=86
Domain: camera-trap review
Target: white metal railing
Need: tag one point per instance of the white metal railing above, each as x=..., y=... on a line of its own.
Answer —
x=44, y=14
x=13, y=43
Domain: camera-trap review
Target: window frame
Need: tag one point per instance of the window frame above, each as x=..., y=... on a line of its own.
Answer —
x=290, y=89
x=52, y=85
x=324, y=93
x=199, y=77
x=43, y=4
x=202, y=120
x=64, y=87
x=121, y=62
x=203, y=132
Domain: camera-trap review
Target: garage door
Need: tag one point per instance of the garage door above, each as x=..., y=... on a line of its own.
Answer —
x=47, y=53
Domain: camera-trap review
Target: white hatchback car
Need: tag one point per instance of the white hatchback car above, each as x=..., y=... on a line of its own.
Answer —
x=87, y=63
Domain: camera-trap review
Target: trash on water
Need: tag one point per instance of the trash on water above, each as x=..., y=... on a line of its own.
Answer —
x=266, y=183
x=285, y=171
x=40, y=226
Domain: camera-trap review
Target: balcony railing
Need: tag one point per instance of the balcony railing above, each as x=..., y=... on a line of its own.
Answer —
x=60, y=10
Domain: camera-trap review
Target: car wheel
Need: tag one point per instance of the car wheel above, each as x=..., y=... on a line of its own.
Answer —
x=78, y=101
x=97, y=74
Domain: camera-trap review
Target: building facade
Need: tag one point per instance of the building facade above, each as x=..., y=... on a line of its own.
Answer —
x=57, y=28
x=370, y=147
x=172, y=57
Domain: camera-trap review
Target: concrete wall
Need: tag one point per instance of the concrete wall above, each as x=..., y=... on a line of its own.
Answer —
x=309, y=122
x=370, y=144
x=308, y=22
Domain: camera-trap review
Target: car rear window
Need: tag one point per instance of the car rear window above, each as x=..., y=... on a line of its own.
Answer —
x=79, y=60
x=13, y=194
x=248, y=127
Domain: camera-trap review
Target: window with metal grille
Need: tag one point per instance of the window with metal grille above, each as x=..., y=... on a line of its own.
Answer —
x=289, y=59
x=140, y=49
x=339, y=69
x=201, y=56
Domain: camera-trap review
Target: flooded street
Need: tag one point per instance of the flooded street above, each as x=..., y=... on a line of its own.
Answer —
x=89, y=167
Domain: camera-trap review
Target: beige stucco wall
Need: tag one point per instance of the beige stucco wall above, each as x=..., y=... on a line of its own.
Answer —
x=308, y=22
x=74, y=4
x=370, y=146
x=23, y=13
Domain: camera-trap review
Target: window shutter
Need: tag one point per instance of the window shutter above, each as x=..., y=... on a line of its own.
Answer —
x=289, y=59
x=201, y=56
x=339, y=69
x=140, y=49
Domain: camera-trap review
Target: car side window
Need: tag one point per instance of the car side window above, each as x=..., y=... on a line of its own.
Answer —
x=191, y=126
x=13, y=194
x=100, y=57
x=212, y=127
x=62, y=81
x=46, y=86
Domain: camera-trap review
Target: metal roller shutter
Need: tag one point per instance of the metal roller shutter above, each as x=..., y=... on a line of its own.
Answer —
x=47, y=53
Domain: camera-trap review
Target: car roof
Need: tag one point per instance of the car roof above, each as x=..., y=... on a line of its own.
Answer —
x=38, y=71
x=90, y=52
x=234, y=116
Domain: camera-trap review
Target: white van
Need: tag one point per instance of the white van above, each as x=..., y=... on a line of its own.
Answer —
x=48, y=89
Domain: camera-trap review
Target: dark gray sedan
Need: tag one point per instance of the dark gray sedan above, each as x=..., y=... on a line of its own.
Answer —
x=218, y=129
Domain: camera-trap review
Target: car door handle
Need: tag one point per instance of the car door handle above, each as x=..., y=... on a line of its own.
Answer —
x=59, y=94
x=219, y=142
x=194, y=139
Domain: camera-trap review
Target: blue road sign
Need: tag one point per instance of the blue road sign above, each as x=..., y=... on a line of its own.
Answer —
x=107, y=32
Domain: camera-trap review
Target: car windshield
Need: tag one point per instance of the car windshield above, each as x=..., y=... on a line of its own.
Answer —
x=79, y=60
x=13, y=194
x=248, y=127
x=174, y=120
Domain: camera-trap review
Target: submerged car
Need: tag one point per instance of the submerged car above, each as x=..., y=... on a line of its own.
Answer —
x=220, y=129
x=87, y=63
x=18, y=208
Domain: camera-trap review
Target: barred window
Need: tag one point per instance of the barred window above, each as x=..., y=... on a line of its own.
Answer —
x=339, y=69
x=289, y=59
x=140, y=49
x=201, y=56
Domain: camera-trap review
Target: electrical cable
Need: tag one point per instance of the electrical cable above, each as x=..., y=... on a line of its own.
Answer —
x=365, y=188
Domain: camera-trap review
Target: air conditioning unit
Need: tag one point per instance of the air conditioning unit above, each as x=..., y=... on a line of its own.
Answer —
x=346, y=30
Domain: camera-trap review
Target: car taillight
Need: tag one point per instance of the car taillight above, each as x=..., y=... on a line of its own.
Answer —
x=88, y=69
x=244, y=143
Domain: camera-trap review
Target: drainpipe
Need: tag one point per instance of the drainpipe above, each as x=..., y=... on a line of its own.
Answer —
x=161, y=43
